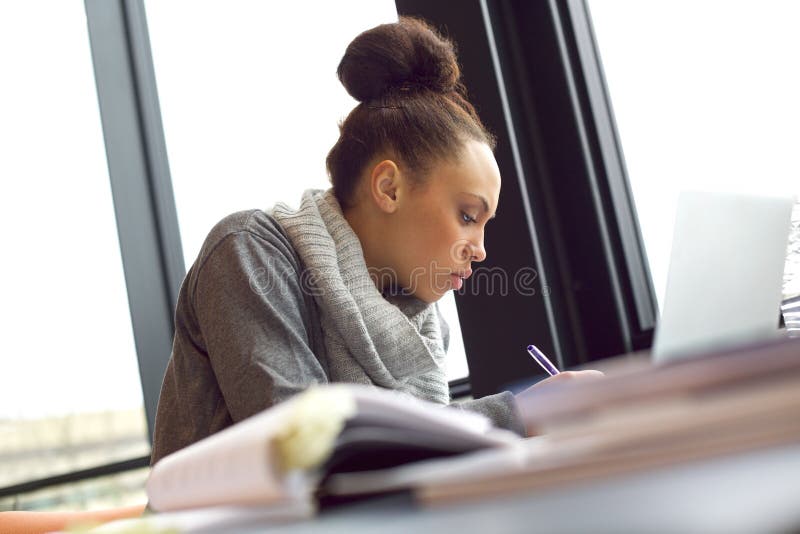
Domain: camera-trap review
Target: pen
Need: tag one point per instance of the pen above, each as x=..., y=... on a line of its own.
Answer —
x=542, y=360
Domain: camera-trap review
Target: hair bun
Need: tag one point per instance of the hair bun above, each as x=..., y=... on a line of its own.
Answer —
x=405, y=55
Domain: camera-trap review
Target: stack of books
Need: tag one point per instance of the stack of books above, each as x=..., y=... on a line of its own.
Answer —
x=647, y=417
x=347, y=441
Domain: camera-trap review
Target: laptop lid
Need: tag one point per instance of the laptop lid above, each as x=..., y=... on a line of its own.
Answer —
x=725, y=272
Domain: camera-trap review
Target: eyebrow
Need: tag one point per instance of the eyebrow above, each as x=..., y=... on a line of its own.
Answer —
x=485, y=203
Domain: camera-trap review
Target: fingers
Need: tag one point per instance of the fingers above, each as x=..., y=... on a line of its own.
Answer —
x=576, y=375
x=564, y=377
x=531, y=399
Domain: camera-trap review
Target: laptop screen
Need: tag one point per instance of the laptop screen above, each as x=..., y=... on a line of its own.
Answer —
x=725, y=272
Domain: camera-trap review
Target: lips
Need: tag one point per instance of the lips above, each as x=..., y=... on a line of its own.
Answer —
x=458, y=278
x=458, y=282
x=463, y=274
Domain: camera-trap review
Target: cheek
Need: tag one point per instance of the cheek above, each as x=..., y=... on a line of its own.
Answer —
x=438, y=239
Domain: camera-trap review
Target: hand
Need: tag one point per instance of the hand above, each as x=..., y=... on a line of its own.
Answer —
x=566, y=376
x=527, y=399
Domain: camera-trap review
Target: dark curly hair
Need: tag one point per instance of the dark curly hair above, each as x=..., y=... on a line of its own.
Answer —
x=412, y=103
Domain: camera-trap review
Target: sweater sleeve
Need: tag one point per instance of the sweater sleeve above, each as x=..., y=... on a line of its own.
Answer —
x=245, y=337
x=251, y=310
x=500, y=408
x=242, y=342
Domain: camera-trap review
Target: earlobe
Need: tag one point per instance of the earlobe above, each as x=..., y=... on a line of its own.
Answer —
x=384, y=182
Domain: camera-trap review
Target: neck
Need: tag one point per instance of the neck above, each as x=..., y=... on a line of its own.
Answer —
x=364, y=226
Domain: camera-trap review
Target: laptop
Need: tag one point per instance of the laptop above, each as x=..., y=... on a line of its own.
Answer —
x=725, y=273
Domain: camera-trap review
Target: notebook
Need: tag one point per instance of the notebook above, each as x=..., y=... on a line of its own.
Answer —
x=725, y=273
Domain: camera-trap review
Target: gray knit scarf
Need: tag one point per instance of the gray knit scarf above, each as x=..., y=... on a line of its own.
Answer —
x=393, y=341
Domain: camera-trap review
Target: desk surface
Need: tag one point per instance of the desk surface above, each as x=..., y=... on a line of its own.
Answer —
x=754, y=492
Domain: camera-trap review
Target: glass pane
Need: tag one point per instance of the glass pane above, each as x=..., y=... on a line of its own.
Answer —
x=70, y=395
x=705, y=97
x=110, y=491
x=250, y=103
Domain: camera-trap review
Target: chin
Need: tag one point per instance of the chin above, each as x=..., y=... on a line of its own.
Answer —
x=430, y=297
x=426, y=293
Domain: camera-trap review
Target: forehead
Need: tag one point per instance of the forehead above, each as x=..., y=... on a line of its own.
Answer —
x=472, y=175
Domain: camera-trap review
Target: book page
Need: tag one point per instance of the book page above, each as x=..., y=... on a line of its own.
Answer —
x=394, y=409
x=234, y=466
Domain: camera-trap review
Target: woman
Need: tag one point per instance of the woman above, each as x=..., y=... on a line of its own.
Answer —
x=344, y=288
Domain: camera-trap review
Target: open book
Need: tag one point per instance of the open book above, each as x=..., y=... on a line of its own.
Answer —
x=284, y=454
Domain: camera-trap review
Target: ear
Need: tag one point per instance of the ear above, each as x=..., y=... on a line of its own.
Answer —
x=385, y=183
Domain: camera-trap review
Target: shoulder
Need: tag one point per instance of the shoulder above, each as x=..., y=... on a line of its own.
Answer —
x=249, y=223
x=247, y=232
x=246, y=241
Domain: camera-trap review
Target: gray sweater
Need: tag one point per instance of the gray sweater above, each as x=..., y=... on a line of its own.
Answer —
x=239, y=349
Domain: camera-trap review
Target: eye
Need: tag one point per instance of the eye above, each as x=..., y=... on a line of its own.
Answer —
x=467, y=219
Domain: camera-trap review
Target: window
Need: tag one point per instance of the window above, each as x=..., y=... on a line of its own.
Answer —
x=705, y=97
x=250, y=106
x=70, y=395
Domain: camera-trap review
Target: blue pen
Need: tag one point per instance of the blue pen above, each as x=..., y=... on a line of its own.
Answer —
x=542, y=360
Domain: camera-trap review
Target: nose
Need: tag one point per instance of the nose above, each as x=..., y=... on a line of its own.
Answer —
x=478, y=251
x=468, y=250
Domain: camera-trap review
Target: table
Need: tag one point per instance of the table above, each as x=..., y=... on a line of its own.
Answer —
x=753, y=492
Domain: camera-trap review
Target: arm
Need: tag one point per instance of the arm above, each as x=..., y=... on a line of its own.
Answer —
x=513, y=412
x=504, y=409
x=500, y=408
x=253, y=315
x=242, y=337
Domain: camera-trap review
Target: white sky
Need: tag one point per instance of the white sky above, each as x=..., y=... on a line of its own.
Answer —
x=66, y=329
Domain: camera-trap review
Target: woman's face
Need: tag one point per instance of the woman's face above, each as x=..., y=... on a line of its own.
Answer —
x=437, y=231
